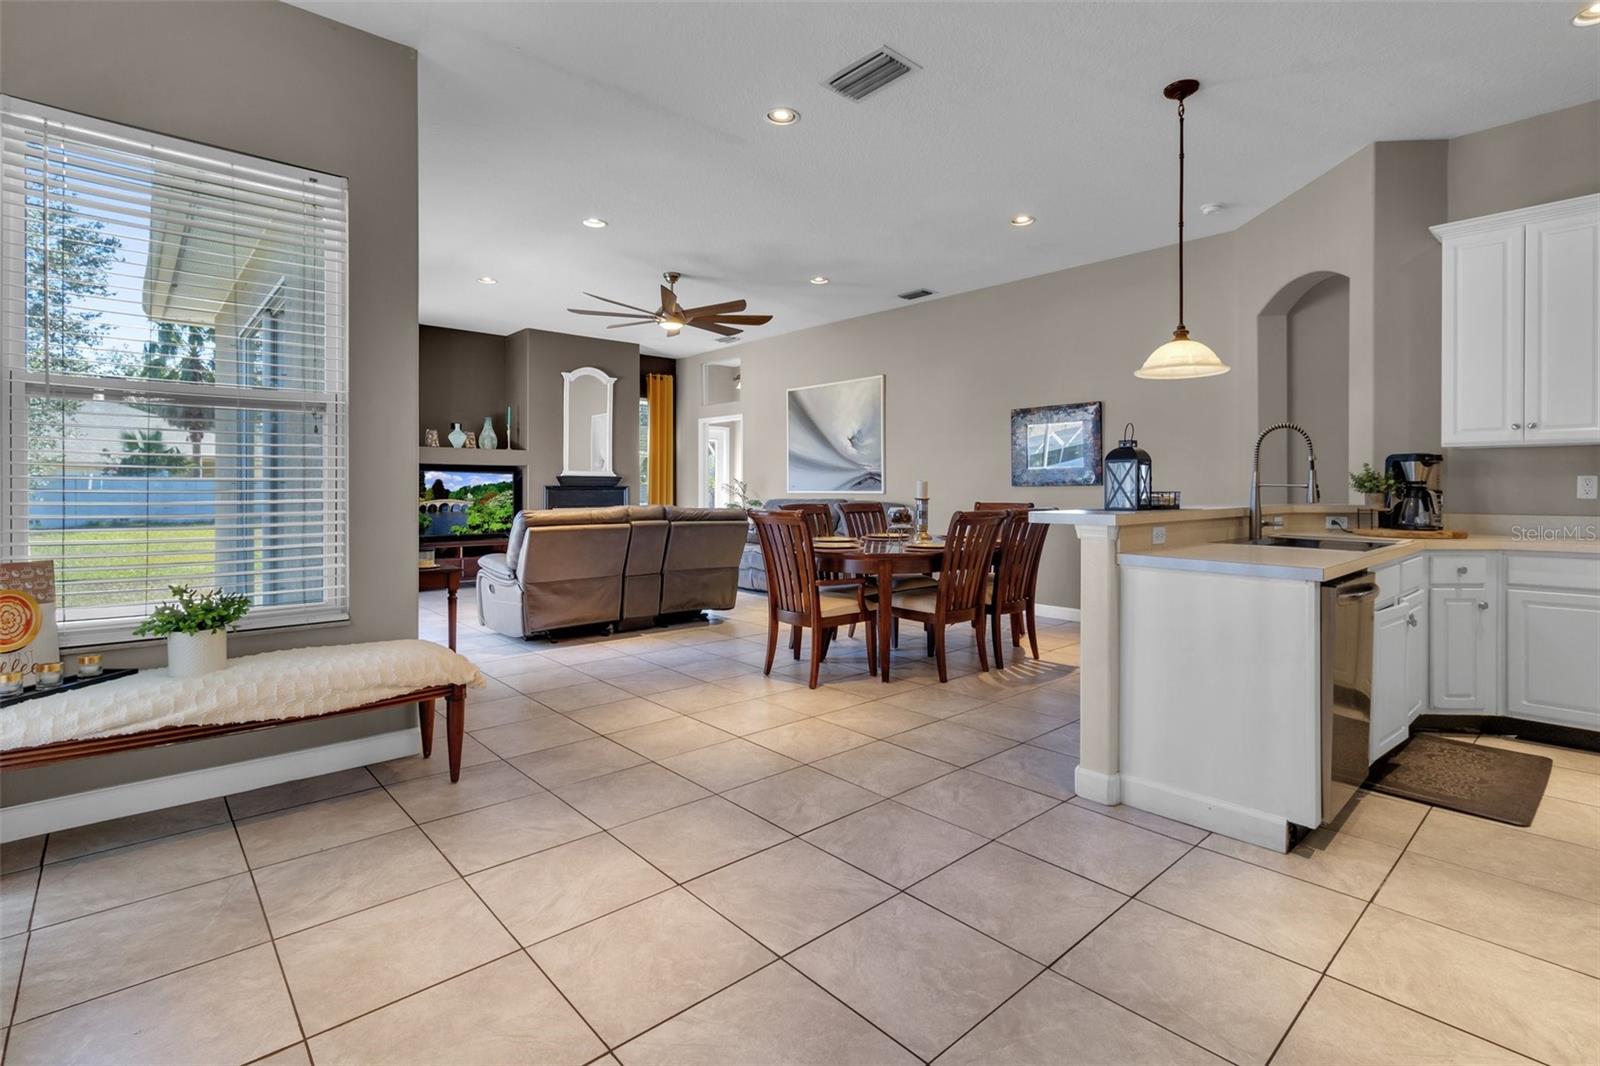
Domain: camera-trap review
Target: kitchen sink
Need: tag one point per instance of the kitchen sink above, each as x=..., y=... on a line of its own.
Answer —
x=1311, y=540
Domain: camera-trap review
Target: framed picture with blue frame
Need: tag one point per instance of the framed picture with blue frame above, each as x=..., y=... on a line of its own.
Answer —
x=1057, y=445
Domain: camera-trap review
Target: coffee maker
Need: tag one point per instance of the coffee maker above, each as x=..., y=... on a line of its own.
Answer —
x=1417, y=500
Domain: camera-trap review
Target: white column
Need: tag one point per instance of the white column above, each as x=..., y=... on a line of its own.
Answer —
x=1100, y=662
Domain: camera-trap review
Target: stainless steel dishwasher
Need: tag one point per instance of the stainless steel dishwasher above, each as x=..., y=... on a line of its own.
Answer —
x=1346, y=678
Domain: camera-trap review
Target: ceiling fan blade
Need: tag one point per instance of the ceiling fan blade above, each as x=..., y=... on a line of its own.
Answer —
x=713, y=309
x=619, y=303
x=738, y=320
x=604, y=314
x=712, y=327
x=624, y=325
x=669, y=301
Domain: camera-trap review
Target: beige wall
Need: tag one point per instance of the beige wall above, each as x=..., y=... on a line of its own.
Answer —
x=1318, y=363
x=273, y=81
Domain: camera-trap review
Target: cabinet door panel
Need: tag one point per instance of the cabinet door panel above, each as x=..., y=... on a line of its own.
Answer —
x=1553, y=673
x=1482, y=335
x=1463, y=659
x=1389, y=721
x=1562, y=330
x=1416, y=693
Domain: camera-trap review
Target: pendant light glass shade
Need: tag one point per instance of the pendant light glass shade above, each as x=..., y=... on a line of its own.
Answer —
x=1181, y=358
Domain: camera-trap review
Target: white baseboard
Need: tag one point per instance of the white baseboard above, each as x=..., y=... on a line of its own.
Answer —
x=1062, y=614
x=1241, y=823
x=1096, y=786
x=97, y=805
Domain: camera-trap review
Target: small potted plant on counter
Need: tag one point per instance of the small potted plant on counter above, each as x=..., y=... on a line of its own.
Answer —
x=1372, y=484
x=196, y=626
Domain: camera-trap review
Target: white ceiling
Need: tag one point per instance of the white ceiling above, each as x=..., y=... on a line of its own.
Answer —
x=536, y=115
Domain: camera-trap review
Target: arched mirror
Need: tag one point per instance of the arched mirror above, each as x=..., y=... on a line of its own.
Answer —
x=586, y=415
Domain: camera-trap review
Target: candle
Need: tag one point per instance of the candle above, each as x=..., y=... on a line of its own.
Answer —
x=49, y=674
x=922, y=490
x=10, y=683
x=88, y=666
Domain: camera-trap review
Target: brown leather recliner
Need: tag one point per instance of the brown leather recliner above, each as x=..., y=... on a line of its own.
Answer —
x=701, y=568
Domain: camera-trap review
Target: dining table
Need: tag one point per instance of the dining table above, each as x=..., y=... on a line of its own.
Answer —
x=883, y=560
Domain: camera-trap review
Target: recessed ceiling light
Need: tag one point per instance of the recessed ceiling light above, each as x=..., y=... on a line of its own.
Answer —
x=595, y=223
x=1213, y=207
x=487, y=280
x=1589, y=16
x=783, y=116
x=819, y=280
x=1022, y=220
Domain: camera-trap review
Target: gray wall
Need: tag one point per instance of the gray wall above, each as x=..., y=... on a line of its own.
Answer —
x=1318, y=373
x=270, y=80
x=463, y=378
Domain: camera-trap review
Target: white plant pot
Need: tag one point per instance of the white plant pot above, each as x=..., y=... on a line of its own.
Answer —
x=194, y=654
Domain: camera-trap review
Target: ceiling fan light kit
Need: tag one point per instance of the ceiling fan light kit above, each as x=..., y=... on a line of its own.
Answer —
x=720, y=318
x=1181, y=357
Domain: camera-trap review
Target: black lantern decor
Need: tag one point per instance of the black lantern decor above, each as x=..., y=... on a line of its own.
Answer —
x=1127, y=472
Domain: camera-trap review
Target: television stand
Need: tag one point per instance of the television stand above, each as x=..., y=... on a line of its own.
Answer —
x=466, y=551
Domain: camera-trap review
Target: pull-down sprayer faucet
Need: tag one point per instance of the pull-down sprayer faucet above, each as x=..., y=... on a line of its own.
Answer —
x=1313, y=493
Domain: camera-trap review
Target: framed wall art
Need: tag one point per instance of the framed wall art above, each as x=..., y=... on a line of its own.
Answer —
x=835, y=442
x=1057, y=445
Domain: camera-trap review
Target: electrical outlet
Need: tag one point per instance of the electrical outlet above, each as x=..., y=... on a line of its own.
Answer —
x=1339, y=521
x=1588, y=486
x=1158, y=535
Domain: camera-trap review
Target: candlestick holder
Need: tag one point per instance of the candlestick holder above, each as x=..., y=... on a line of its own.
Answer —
x=920, y=517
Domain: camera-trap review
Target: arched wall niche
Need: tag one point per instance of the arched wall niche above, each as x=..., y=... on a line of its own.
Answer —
x=1303, y=351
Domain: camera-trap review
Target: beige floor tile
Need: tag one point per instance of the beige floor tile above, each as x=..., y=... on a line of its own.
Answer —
x=1574, y=823
x=1574, y=785
x=11, y=949
x=729, y=764
x=676, y=735
x=233, y=1009
x=1384, y=819
x=16, y=855
x=1028, y=905
x=1058, y=697
x=548, y=893
x=123, y=875
x=810, y=740
x=364, y=960
x=1012, y=722
x=428, y=798
x=16, y=900
x=635, y=967
x=135, y=828
x=629, y=795
x=536, y=734
x=1509, y=852
x=1228, y=997
x=329, y=884
x=895, y=843
x=918, y=975
x=294, y=793
x=935, y=701
x=1345, y=1024
x=1144, y=820
x=977, y=802
x=296, y=831
x=545, y=677
x=789, y=894
x=693, y=699
x=884, y=768
x=103, y=952
x=1534, y=921
x=1569, y=758
x=877, y=719
x=1112, y=852
x=1519, y=1002
x=513, y=708
x=1065, y=740
x=1343, y=862
x=294, y=1055
x=624, y=714
x=951, y=743
x=749, y=716
x=489, y=836
x=802, y=798
x=576, y=697
x=413, y=766
x=775, y=1017
x=503, y=1012
x=1054, y=1022
x=654, y=680
x=688, y=841
x=571, y=763
x=1283, y=915
x=817, y=701
x=1039, y=769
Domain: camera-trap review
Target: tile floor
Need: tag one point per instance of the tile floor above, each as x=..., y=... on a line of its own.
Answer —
x=658, y=855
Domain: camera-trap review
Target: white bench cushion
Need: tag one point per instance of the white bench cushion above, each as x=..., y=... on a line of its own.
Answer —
x=275, y=685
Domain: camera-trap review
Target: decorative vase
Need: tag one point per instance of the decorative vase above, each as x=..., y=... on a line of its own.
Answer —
x=194, y=654
x=430, y=438
x=511, y=437
x=486, y=437
x=472, y=440
x=457, y=436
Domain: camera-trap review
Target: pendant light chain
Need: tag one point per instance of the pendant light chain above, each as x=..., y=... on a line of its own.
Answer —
x=1181, y=327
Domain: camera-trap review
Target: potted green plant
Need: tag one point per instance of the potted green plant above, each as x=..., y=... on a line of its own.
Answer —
x=1372, y=484
x=196, y=626
x=740, y=491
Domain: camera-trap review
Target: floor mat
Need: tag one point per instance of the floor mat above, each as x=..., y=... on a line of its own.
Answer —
x=1489, y=782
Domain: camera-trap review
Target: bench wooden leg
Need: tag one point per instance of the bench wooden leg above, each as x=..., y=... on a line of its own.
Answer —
x=425, y=723
x=455, y=727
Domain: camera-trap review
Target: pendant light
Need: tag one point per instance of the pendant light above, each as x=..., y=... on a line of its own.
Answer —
x=1181, y=357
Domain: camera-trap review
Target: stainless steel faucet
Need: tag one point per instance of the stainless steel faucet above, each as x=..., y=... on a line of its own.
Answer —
x=1313, y=493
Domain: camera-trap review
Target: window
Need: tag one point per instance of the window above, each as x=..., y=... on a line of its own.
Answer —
x=172, y=373
x=644, y=450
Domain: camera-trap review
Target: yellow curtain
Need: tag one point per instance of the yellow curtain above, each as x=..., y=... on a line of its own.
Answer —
x=663, y=448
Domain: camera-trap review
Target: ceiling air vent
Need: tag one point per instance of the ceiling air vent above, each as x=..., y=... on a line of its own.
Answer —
x=867, y=75
x=916, y=294
x=727, y=340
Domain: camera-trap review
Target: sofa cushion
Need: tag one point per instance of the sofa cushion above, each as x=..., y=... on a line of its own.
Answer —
x=519, y=532
x=576, y=516
x=496, y=565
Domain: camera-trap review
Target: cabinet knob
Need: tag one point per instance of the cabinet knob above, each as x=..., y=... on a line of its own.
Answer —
x=1461, y=570
x=1483, y=605
x=1533, y=425
x=1516, y=425
x=1411, y=619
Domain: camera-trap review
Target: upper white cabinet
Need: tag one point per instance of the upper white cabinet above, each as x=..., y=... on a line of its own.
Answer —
x=1521, y=327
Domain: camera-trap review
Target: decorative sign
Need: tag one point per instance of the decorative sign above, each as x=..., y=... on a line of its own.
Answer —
x=27, y=616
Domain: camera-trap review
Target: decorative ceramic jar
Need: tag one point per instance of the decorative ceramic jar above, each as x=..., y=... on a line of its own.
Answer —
x=472, y=440
x=11, y=682
x=88, y=666
x=195, y=654
x=486, y=437
x=48, y=674
x=430, y=438
x=457, y=436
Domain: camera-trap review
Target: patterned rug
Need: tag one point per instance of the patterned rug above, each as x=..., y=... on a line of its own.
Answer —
x=1488, y=782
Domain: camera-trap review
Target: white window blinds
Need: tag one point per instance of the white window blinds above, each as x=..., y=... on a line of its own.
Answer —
x=175, y=389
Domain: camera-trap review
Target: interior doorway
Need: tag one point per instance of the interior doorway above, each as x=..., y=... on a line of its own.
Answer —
x=721, y=461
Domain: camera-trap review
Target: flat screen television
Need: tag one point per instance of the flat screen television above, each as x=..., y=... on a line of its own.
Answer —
x=467, y=501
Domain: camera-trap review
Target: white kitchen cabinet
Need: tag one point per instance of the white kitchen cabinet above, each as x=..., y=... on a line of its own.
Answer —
x=1464, y=649
x=1399, y=671
x=1552, y=634
x=1520, y=327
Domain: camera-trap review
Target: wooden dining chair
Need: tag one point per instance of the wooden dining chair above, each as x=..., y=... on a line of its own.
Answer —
x=863, y=518
x=964, y=581
x=1001, y=506
x=1008, y=596
x=818, y=517
x=797, y=597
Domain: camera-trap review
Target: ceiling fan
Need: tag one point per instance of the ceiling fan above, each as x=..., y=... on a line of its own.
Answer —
x=672, y=317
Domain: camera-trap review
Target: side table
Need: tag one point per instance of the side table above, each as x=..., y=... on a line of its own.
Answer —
x=445, y=576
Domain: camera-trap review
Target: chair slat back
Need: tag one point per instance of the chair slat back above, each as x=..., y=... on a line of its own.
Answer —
x=818, y=517
x=968, y=558
x=1032, y=552
x=1000, y=506
x=1012, y=585
x=863, y=518
x=791, y=568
